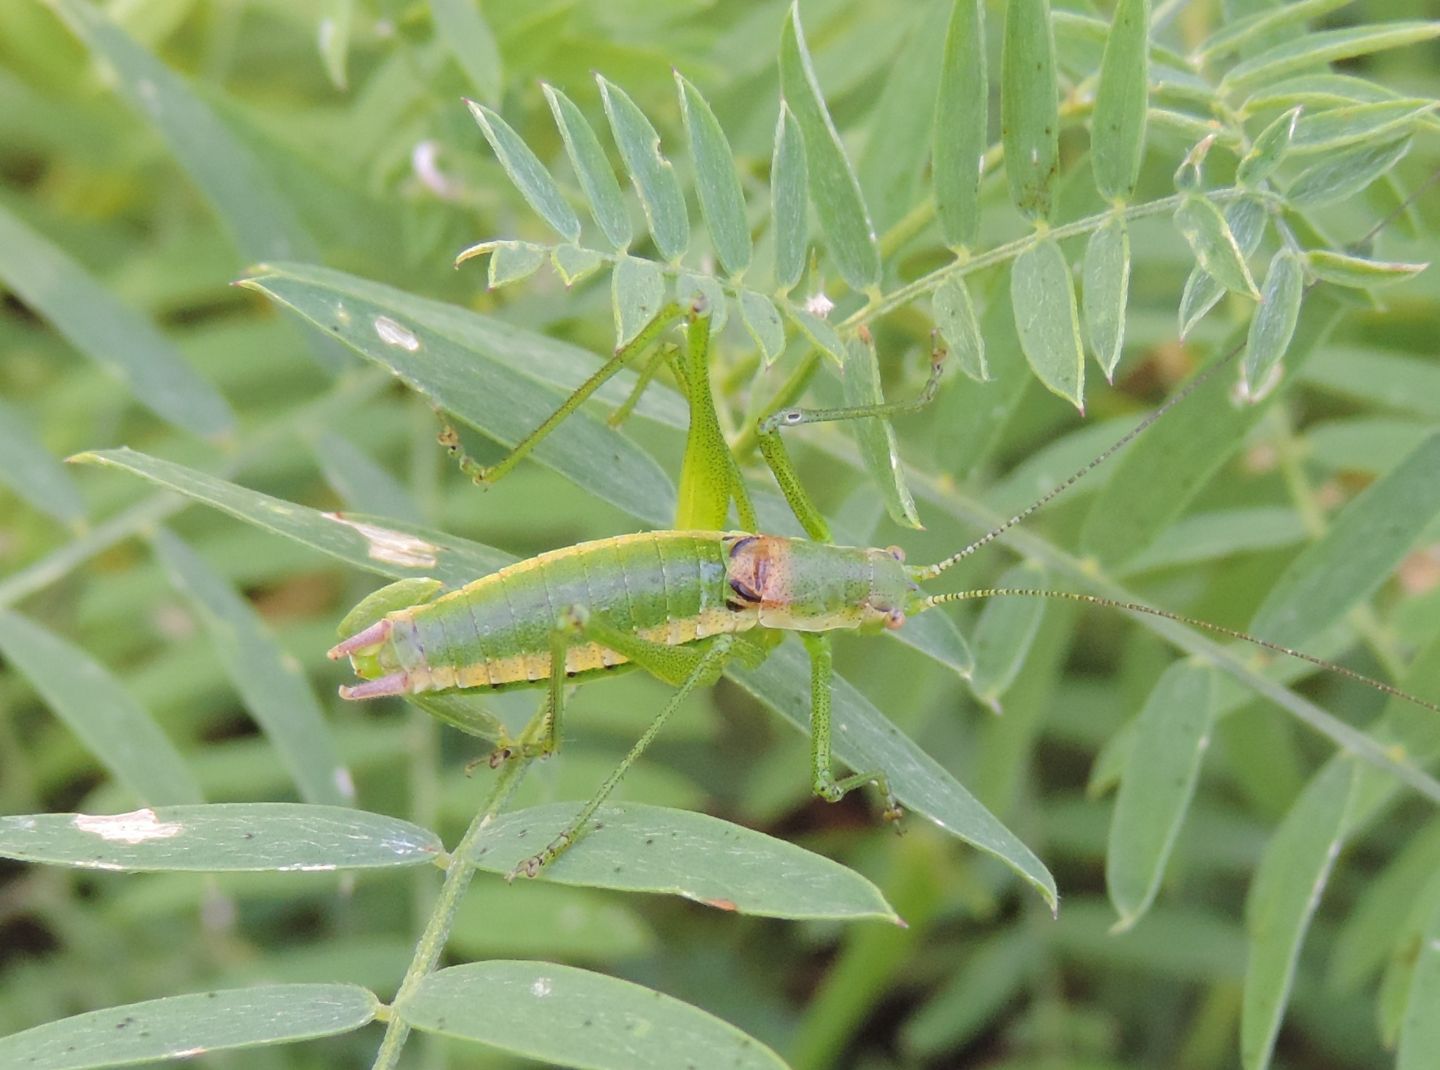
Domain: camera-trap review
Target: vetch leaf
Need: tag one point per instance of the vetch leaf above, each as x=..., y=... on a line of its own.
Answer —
x=1273, y=324
x=1002, y=637
x=638, y=848
x=762, y=321
x=91, y=702
x=637, y=291
x=514, y=261
x=1341, y=175
x=1030, y=106
x=1355, y=554
x=527, y=172
x=1323, y=46
x=1214, y=244
x=788, y=200
x=597, y=179
x=31, y=471
x=1268, y=149
x=112, y=334
x=722, y=202
x=961, y=127
x=1106, y=291
x=865, y=740
x=873, y=434
x=1265, y=23
x=819, y=332
x=221, y=838
x=272, y=684
x=834, y=188
x=936, y=636
x=181, y=1027
x=1162, y=767
x=571, y=1017
x=650, y=172
x=1357, y=272
x=960, y=327
x=1118, y=129
x=1326, y=131
x=1043, y=297
x=574, y=263
x=461, y=26
x=1246, y=218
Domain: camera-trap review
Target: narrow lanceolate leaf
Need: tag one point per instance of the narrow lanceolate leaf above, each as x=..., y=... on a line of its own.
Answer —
x=1273, y=324
x=960, y=327
x=865, y=740
x=272, y=684
x=1030, y=106
x=1002, y=638
x=32, y=471
x=1269, y=148
x=1336, y=128
x=1235, y=34
x=180, y=1027
x=368, y=545
x=637, y=291
x=1342, y=175
x=1420, y=1028
x=1106, y=291
x=1043, y=297
x=112, y=334
x=762, y=321
x=874, y=435
x=788, y=200
x=1307, y=50
x=91, y=702
x=1161, y=770
x=220, y=838
x=1246, y=218
x=1214, y=244
x=1355, y=554
x=461, y=26
x=722, y=202
x=597, y=179
x=637, y=848
x=471, y=366
x=1357, y=272
x=570, y=1017
x=961, y=126
x=527, y=172
x=835, y=190
x=1283, y=898
x=936, y=636
x=651, y=173
x=1118, y=131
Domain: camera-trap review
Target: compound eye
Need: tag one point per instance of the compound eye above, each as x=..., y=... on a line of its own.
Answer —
x=895, y=619
x=895, y=552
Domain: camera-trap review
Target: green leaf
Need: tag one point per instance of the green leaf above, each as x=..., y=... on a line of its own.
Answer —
x=597, y=179
x=762, y=321
x=91, y=702
x=1340, y=176
x=961, y=126
x=650, y=172
x=371, y=547
x=1357, y=272
x=1117, y=140
x=960, y=327
x=527, y=172
x=1161, y=771
x=1043, y=297
x=112, y=334
x=1283, y=897
x=936, y=636
x=221, y=838
x=1106, y=291
x=1420, y=1029
x=1340, y=127
x=879, y=448
x=514, y=261
x=463, y=362
x=1220, y=533
x=1269, y=148
x=31, y=471
x=1030, y=106
x=271, y=682
x=717, y=184
x=1323, y=46
x=637, y=292
x=788, y=200
x=180, y=1027
x=548, y=921
x=637, y=848
x=819, y=332
x=572, y=1017
x=1356, y=553
x=1246, y=219
x=334, y=40
x=1264, y=23
x=461, y=26
x=1002, y=637
x=834, y=188
x=574, y=263
x=1214, y=245
x=1273, y=324
x=864, y=739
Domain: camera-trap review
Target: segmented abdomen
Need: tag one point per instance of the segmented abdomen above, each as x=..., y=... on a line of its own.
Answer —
x=666, y=586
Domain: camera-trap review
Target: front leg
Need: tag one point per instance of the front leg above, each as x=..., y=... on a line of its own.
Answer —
x=822, y=771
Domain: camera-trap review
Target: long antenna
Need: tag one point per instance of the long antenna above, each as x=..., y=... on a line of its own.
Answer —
x=1180, y=618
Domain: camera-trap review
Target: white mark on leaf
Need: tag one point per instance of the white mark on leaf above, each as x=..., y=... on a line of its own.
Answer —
x=393, y=546
x=138, y=826
x=540, y=988
x=396, y=334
